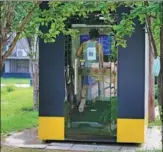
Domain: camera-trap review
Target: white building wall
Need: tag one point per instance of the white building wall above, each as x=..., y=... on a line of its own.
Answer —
x=7, y=66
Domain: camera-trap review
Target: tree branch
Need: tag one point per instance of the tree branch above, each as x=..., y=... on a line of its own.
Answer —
x=149, y=30
x=22, y=27
x=151, y=16
x=9, y=16
x=151, y=37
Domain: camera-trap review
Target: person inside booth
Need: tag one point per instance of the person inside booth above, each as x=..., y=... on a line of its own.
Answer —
x=91, y=52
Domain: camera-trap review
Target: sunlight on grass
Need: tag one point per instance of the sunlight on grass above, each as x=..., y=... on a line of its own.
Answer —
x=14, y=110
x=15, y=81
x=157, y=122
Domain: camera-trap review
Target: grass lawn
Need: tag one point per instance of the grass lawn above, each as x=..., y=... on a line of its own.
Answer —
x=157, y=122
x=16, y=110
x=15, y=81
x=17, y=114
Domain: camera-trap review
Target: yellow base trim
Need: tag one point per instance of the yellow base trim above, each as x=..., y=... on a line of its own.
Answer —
x=131, y=130
x=51, y=128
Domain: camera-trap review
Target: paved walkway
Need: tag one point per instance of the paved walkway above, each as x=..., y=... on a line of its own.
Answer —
x=28, y=139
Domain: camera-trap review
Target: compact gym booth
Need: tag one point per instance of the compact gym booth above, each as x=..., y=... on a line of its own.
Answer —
x=116, y=106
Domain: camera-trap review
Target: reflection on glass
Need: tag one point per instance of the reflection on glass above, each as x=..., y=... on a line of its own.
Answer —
x=93, y=114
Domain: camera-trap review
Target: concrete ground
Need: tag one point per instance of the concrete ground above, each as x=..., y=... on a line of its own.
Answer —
x=29, y=139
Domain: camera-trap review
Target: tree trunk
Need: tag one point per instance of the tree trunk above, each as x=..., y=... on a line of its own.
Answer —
x=1, y=51
x=161, y=61
x=152, y=54
x=35, y=86
x=151, y=37
x=151, y=100
x=35, y=79
x=159, y=93
x=34, y=70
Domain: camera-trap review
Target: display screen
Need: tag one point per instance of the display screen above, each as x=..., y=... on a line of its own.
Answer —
x=105, y=40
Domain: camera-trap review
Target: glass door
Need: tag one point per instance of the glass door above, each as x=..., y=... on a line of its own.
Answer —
x=92, y=114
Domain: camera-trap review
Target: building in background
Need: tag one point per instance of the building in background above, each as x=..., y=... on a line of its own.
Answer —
x=18, y=63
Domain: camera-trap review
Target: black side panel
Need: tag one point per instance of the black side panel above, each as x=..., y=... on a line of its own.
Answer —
x=51, y=81
x=131, y=79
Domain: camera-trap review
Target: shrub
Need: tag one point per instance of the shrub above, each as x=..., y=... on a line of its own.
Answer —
x=10, y=88
x=156, y=91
